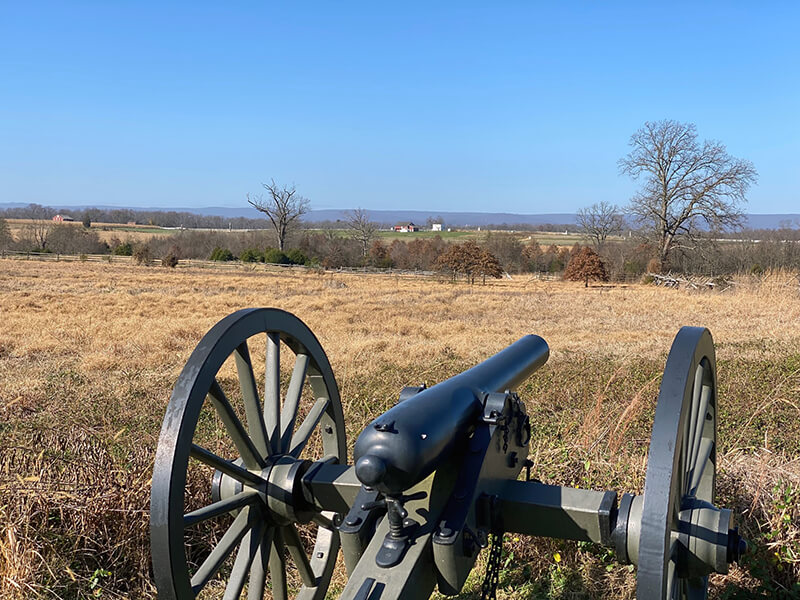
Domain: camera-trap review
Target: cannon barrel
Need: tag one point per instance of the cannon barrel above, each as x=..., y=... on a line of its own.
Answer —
x=408, y=442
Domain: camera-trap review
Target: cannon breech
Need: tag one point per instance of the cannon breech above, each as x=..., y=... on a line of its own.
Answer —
x=409, y=441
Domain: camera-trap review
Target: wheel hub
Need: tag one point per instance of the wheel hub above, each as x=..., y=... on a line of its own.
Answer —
x=707, y=540
x=281, y=494
x=705, y=535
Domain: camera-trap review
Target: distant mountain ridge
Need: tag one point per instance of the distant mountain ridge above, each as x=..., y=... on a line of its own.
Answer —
x=420, y=217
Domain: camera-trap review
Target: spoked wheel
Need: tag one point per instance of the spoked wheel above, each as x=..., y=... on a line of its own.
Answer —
x=683, y=537
x=218, y=434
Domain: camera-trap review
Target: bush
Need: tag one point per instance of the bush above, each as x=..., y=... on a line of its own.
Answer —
x=633, y=267
x=296, y=257
x=221, y=254
x=170, y=260
x=251, y=255
x=275, y=256
x=141, y=254
x=123, y=249
x=654, y=266
x=586, y=265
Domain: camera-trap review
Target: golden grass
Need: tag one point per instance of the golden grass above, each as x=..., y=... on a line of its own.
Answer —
x=89, y=352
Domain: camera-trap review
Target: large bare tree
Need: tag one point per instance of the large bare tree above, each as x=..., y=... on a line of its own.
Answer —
x=37, y=230
x=687, y=184
x=600, y=220
x=362, y=229
x=283, y=206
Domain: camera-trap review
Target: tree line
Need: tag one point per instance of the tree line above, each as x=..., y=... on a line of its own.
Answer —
x=680, y=220
x=624, y=259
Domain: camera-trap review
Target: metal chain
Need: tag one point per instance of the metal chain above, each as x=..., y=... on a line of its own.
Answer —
x=492, y=577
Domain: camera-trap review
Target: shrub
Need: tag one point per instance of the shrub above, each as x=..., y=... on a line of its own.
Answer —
x=633, y=267
x=654, y=266
x=251, y=255
x=221, y=254
x=296, y=257
x=586, y=265
x=141, y=254
x=123, y=249
x=471, y=260
x=170, y=260
x=275, y=256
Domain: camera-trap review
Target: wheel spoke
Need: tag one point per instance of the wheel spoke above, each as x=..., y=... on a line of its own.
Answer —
x=222, y=507
x=227, y=467
x=277, y=568
x=250, y=456
x=699, y=467
x=696, y=589
x=705, y=398
x=221, y=551
x=244, y=558
x=252, y=405
x=298, y=554
x=692, y=421
x=292, y=401
x=671, y=578
x=300, y=439
x=258, y=572
x=272, y=391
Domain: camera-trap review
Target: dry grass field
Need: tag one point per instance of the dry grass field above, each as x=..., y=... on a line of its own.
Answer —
x=89, y=353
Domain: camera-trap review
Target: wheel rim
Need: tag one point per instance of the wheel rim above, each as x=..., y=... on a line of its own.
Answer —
x=262, y=454
x=681, y=465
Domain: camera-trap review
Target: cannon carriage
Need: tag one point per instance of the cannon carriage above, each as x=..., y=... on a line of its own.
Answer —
x=434, y=479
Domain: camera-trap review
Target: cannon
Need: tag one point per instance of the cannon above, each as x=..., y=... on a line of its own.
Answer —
x=252, y=491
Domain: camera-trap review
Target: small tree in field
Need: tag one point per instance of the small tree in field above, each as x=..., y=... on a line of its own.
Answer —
x=471, y=260
x=586, y=265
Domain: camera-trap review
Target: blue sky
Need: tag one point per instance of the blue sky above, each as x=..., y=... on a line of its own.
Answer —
x=507, y=106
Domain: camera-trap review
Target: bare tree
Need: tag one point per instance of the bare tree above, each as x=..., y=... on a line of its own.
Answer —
x=687, y=185
x=283, y=207
x=36, y=232
x=362, y=229
x=599, y=221
x=5, y=235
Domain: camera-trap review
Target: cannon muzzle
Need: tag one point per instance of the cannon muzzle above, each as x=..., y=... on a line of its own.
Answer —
x=409, y=441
